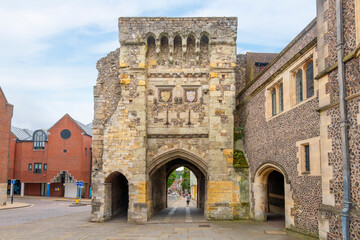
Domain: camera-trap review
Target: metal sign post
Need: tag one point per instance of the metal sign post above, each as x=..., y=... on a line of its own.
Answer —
x=12, y=190
x=80, y=185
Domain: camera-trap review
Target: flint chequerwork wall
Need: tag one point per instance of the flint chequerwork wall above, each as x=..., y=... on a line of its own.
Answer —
x=276, y=135
x=166, y=99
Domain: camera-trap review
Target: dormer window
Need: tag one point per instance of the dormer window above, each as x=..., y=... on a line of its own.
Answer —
x=39, y=139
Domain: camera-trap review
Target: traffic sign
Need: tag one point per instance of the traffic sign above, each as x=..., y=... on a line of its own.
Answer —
x=80, y=183
x=13, y=181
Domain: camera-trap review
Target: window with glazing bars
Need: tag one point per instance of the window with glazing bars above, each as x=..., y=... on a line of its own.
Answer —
x=307, y=158
x=273, y=100
x=299, y=87
x=310, y=80
x=37, y=167
x=281, y=98
x=39, y=139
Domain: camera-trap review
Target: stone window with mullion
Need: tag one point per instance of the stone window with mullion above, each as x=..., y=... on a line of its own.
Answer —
x=277, y=99
x=304, y=81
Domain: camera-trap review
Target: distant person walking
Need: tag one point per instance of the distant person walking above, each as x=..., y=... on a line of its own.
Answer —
x=187, y=200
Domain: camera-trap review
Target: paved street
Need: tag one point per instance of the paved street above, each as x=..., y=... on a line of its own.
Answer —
x=50, y=219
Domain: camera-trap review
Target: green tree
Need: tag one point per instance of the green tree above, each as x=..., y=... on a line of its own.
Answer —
x=171, y=178
x=186, y=179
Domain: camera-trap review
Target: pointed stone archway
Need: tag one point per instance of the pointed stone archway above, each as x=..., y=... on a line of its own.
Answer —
x=163, y=165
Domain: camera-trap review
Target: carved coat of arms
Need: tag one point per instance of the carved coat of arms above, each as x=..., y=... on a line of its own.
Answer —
x=190, y=95
x=165, y=95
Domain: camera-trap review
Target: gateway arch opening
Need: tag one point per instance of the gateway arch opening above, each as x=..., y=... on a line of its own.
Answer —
x=171, y=184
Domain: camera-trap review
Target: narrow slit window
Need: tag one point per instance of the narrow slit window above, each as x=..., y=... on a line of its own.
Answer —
x=273, y=100
x=307, y=158
x=299, y=87
x=310, y=80
x=281, y=98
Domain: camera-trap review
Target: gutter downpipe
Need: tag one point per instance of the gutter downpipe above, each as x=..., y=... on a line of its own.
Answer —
x=345, y=213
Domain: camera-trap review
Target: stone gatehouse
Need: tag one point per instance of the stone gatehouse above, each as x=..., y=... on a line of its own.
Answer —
x=166, y=99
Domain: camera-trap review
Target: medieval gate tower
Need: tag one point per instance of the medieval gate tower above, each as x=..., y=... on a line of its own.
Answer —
x=166, y=99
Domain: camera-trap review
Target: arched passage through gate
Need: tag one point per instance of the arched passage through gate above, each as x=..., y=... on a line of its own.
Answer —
x=117, y=191
x=160, y=169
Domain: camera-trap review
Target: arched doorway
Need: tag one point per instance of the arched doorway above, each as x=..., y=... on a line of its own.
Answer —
x=272, y=194
x=117, y=191
x=160, y=170
x=275, y=196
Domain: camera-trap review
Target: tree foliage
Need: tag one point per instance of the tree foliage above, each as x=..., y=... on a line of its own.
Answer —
x=171, y=178
x=186, y=179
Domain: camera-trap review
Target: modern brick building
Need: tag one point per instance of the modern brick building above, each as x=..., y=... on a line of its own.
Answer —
x=6, y=112
x=49, y=163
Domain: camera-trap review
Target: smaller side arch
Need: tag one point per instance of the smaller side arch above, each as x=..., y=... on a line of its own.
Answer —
x=116, y=194
x=266, y=168
x=260, y=193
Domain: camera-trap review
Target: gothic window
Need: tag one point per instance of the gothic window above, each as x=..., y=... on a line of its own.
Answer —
x=164, y=49
x=177, y=50
x=151, y=51
x=190, y=48
x=281, y=98
x=310, y=80
x=204, y=49
x=273, y=101
x=299, y=87
x=39, y=139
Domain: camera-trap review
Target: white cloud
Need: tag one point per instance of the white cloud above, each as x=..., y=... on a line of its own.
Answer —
x=42, y=92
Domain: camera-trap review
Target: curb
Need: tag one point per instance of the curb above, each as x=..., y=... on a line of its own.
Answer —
x=23, y=206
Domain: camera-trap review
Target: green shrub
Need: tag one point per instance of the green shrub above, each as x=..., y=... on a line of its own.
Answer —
x=239, y=159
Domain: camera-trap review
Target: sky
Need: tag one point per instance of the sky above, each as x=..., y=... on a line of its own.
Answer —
x=49, y=49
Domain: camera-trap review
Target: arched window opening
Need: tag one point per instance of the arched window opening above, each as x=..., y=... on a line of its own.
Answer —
x=204, y=50
x=190, y=53
x=39, y=139
x=281, y=98
x=177, y=50
x=164, y=49
x=273, y=101
x=151, y=49
x=310, y=80
x=299, y=87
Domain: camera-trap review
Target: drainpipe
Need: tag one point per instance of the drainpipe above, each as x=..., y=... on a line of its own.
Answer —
x=345, y=213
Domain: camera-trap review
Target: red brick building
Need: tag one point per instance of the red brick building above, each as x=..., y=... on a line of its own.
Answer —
x=6, y=112
x=49, y=163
